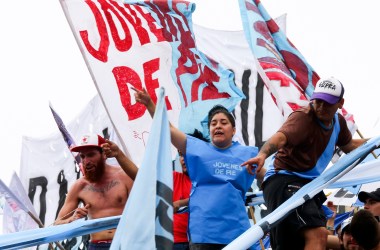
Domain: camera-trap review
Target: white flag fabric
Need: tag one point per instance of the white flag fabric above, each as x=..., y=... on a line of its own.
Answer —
x=19, y=220
x=148, y=45
x=146, y=222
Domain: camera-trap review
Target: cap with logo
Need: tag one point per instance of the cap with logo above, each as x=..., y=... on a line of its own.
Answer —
x=329, y=90
x=89, y=141
x=374, y=195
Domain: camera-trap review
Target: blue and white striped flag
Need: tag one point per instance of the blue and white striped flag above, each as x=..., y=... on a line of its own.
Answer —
x=146, y=222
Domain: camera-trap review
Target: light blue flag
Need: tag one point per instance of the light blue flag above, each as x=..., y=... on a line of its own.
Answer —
x=147, y=219
x=40, y=236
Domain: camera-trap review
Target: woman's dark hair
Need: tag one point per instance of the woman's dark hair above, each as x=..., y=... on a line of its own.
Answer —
x=220, y=109
x=199, y=135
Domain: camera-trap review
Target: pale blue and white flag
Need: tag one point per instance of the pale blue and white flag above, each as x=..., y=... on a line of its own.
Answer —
x=147, y=220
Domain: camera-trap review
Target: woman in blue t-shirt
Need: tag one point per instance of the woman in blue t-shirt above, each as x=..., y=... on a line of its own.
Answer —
x=219, y=182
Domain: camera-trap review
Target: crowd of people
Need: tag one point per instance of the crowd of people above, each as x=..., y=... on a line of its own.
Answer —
x=216, y=175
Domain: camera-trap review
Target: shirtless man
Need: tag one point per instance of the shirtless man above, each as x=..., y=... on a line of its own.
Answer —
x=103, y=190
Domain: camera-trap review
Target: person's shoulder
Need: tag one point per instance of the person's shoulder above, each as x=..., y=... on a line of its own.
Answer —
x=303, y=111
x=190, y=137
x=244, y=147
x=341, y=118
x=79, y=183
x=115, y=169
x=301, y=116
x=118, y=172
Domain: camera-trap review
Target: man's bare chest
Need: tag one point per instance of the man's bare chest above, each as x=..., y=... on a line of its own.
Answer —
x=109, y=192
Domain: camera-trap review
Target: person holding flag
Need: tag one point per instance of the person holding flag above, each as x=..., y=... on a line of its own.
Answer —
x=304, y=146
x=103, y=190
x=217, y=207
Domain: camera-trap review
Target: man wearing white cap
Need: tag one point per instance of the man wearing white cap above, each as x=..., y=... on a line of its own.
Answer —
x=103, y=190
x=304, y=146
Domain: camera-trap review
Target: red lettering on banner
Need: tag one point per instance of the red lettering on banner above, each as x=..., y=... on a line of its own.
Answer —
x=124, y=75
x=135, y=21
x=207, y=76
x=176, y=28
x=160, y=33
x=121, y=44
x=185, y=57
x=152, y=84
x=297, y=65
x=170, y=34
x=101, y=53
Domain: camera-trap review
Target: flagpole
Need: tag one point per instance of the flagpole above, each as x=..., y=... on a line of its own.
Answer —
x=251, y=211
x=361, y=136
x=39, y=223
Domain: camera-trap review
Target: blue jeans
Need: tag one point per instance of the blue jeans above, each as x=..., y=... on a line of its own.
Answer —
x=206, y=246
x=181, y=246
x=99, y=246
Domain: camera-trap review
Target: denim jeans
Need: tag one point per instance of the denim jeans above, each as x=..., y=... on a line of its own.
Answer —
x=99, y=246
x=181, y=246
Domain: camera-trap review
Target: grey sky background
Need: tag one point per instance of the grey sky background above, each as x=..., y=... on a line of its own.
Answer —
x=41, y=62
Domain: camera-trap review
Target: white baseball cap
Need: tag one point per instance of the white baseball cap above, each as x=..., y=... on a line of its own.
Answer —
x=329, y=90
x=89, y=141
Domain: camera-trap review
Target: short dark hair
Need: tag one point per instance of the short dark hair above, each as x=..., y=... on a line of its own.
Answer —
x=347, y=230
x=220, y=109
x=365, y=229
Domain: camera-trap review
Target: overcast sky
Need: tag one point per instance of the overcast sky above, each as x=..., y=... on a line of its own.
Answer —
x=41, y=62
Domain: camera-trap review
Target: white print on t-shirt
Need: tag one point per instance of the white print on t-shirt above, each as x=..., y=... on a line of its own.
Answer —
x=224, y=168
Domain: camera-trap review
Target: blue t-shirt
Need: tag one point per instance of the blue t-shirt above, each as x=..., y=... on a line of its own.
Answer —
x=217, y=199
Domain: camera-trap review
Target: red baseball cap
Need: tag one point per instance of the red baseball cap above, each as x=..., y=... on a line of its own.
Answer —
x=89, y=141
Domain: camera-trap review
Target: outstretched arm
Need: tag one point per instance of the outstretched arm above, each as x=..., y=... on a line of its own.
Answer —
x=277, y=141
x=180, y=203
x=112, y=150
x=178, y=138
x=353, y=144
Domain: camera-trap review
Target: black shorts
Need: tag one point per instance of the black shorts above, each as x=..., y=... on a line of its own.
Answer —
x=286, y=234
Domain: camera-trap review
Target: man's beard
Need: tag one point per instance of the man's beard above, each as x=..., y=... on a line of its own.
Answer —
x=94, y=176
